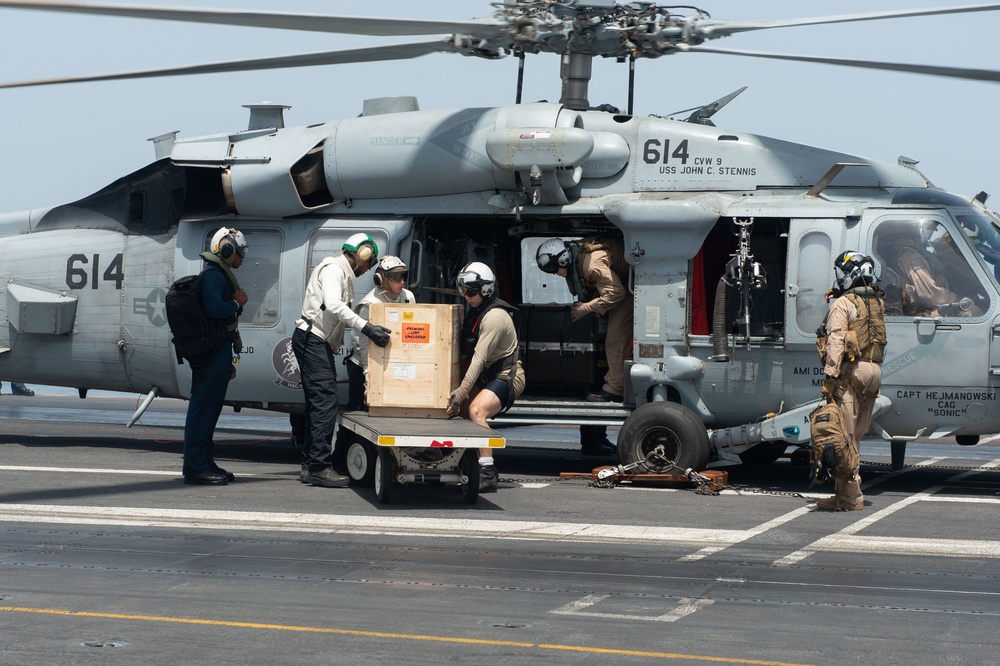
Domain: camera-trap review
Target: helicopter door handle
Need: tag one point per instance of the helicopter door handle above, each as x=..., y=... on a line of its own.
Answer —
x=926, y=325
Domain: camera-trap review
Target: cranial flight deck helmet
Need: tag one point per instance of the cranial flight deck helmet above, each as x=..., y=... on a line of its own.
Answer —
x=476, y=278
x=552, y=255
x=228, y=241
x=853, y=269
x=362, y=246
x=389, y=267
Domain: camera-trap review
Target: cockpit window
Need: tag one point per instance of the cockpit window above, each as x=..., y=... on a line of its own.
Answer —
x=924, y=273
x=985, y=238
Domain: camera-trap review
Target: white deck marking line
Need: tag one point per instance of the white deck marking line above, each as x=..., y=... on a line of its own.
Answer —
x=686, y=606
x=85, y=470
x=752, y=532
x=140, y=472
x=704, y=552
x=862, y=543
x=829, y=542
x=909, y=546
x=993, y=464
x=357, y=524
x=962, y=500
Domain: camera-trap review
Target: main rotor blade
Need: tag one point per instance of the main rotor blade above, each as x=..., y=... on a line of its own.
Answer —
x=712, y=28
x=355, y=25
x=933, y=70
x=371, y=54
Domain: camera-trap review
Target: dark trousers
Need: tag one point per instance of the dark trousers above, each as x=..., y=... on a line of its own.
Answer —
x=318, y=373
x=593, y=435
x=209, y=382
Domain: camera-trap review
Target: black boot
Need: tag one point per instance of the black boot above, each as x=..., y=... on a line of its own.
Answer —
x=594, y=441
x=20, y=389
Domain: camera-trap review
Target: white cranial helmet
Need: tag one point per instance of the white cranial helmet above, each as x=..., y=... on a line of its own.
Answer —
x=391, y=267
x=228, y=241
x=476, y=278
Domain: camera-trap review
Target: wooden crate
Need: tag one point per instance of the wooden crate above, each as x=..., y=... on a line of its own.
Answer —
x=416, y=372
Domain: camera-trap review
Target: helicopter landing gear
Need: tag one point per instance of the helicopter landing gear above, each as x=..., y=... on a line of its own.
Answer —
x=764, y=453
x=897, y=452
x=674, y=427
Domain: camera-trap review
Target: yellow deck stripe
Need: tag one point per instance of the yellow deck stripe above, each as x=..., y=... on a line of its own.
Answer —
x=383, y=634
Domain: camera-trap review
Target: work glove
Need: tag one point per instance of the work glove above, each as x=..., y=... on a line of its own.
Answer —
x=829, y=388
x=578, y=312
x=456, y=398
x=377, y=334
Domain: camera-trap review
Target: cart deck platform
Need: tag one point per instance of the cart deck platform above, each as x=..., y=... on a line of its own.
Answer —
x=421, y=433
x=387, y=450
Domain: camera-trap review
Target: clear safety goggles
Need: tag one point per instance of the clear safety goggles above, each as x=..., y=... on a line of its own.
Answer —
x=467, y=290
x=397, y=276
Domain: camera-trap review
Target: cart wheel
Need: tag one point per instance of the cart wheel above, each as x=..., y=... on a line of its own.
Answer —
x=361, y=462
x=383, y=475
x=469, y=466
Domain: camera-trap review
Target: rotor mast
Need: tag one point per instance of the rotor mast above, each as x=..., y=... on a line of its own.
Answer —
x=575, y=71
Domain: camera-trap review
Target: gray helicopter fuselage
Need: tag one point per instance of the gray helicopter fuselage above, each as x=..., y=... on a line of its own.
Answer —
x=83, y=283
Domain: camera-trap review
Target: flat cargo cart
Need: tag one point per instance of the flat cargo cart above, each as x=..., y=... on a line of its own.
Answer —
x=385, y=450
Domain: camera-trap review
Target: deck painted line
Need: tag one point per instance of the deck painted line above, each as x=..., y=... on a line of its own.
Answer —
x=379, y=525
x=686, y=606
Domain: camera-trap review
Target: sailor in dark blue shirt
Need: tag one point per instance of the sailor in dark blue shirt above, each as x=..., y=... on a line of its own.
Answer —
x=222, y=299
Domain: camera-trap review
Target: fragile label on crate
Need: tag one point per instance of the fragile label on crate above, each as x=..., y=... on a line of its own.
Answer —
x=416, y=333
x=404, y=371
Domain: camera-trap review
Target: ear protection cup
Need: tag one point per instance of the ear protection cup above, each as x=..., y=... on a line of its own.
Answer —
x=226, y=247
x=378, y=279
x=364, y=252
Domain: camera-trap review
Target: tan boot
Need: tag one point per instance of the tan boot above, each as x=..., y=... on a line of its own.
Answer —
x=836, y=504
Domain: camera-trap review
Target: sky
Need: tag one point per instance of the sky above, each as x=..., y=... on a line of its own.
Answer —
x=61, y=143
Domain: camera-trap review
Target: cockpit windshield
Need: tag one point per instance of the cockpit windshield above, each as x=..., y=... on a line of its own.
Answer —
x=924, y=271
x=985, y=238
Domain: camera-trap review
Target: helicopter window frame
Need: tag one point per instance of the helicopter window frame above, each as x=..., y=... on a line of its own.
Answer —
x=259, y=274
x=769, y=242
x=537, y=286
x=329, y=242
x=984, y=235
x=942, y=279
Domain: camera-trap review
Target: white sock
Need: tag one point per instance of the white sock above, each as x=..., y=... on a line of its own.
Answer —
x=483, y=461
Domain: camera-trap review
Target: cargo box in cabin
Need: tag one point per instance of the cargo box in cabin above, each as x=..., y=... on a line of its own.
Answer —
x=560, y=356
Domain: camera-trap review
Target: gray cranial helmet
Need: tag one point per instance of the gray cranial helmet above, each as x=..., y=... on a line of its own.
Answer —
x=853, y=269
x=552, y=255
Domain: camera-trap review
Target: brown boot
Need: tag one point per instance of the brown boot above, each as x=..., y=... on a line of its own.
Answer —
x=836, y=504
x=827, y=504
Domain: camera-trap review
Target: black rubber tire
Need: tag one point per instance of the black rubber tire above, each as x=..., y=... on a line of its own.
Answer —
x=383, y=470
x=469, y=466
x=360, y=460
x=674, y=426
x=764, y=453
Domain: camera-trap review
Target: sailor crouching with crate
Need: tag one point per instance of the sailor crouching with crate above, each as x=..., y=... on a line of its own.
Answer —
x=494, y=378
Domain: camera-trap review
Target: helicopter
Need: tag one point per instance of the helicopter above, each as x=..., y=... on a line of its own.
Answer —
x=730, y=235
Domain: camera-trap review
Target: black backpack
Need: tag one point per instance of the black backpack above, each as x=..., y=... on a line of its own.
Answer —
x=195, y=334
